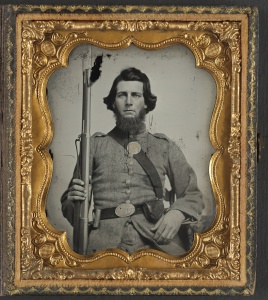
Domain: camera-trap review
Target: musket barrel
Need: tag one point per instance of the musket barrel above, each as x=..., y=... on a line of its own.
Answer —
x=80, y=234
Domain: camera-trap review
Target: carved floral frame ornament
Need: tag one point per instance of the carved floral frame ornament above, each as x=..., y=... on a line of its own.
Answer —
x=221, y=260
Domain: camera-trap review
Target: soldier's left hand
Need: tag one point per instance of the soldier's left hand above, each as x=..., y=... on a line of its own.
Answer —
x=167, y=226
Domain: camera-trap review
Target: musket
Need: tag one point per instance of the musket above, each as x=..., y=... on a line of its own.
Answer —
x=81, y=208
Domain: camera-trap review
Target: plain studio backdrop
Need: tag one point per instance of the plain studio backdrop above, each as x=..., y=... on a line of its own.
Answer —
x=186, y=97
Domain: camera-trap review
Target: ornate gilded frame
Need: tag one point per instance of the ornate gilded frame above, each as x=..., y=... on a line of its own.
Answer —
x=222, y=259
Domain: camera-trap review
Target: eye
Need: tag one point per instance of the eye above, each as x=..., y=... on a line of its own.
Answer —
x=121, y=95
x=136, y=95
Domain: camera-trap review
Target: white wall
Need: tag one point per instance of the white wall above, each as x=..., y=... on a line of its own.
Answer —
x=186, y=96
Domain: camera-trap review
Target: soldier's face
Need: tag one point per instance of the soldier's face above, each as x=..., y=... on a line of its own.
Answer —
x=129, y=100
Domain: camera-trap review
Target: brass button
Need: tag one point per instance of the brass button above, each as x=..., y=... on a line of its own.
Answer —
x=130, y=162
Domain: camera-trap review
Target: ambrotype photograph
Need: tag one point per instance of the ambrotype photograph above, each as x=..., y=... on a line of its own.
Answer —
x=133, y=150
x=138, y=156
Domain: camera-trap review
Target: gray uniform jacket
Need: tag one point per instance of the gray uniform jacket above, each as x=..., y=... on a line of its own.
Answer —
x=116, y=178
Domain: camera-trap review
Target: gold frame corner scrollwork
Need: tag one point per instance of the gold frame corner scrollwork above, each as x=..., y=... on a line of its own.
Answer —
x=218, y=256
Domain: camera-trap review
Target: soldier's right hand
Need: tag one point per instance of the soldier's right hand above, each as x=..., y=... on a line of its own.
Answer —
x=77, y=191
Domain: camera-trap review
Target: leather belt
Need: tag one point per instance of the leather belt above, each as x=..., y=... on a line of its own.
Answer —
x=109, y=213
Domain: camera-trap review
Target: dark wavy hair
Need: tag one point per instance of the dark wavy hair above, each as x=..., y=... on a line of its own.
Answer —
x=132, y=74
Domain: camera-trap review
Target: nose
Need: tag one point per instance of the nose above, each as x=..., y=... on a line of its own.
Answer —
x=129, y=99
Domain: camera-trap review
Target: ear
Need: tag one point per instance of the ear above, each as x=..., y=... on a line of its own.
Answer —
x=113, y=105
x=145, y=106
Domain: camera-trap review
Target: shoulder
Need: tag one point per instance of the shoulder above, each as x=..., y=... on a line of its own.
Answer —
x=165, y=141
x=98, y=135
x=160, y=137
x=160, y=141
x=98, y=139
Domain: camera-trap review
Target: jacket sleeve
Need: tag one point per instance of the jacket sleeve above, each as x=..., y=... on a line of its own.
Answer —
x=67, y=206
x=184, y=183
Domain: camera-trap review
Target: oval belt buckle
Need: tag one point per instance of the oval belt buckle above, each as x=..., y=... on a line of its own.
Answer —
x=124, y=210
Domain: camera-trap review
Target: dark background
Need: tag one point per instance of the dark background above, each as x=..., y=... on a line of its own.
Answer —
x=261, y=291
